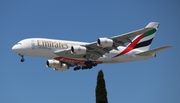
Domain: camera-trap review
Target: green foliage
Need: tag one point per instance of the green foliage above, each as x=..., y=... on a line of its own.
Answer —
x=101, y=93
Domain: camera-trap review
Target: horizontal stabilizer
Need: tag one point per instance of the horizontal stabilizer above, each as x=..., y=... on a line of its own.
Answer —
x=153, y=51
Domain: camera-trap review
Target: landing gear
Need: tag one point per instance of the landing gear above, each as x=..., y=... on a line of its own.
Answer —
x=94, y=64
x=88, y=65
x=77, y=68
x=22, y=58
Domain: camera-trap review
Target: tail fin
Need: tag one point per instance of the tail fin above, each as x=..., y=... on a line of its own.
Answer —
x=146, y=38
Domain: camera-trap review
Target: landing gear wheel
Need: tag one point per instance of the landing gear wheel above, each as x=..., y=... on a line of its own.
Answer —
x=83, y=67
x=94, y=64
x=77, y=68
x=22, y=60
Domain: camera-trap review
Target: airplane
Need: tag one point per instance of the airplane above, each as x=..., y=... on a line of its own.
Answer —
x=64, y=54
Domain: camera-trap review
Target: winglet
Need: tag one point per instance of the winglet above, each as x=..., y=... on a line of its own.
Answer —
x=153, y=51
x=153, y=24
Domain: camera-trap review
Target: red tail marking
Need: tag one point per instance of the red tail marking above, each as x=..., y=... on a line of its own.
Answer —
x=131, y=45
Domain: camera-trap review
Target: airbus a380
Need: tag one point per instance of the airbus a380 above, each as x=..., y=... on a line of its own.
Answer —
x=64, y=54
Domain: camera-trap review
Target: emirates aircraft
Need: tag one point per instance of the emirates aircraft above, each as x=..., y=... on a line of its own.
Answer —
x=64, y=54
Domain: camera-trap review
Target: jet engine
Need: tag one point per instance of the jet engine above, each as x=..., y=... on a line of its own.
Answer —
x=78, y=50
x=56, y=65
x=105, y=42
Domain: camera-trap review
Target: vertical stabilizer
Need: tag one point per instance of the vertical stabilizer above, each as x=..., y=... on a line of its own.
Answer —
x=147, y=37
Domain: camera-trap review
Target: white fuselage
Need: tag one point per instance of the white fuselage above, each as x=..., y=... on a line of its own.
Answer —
x=42, y=47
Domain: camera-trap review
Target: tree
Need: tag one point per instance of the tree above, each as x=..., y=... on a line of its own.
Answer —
x=101, y=93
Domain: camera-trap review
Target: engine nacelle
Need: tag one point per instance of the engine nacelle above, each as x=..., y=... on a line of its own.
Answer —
x=105, y=42
x=78, y=50
x=56, y=65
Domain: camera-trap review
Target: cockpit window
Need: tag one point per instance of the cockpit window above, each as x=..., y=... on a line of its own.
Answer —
x=19, y=43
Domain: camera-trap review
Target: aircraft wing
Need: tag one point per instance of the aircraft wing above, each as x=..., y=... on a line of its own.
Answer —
x=94, y=51
x=67, y=53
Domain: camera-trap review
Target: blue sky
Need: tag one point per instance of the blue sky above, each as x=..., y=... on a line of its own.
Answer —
x=155, y=80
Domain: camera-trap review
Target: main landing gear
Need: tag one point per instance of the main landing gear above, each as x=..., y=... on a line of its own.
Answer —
x=88, y=65
x=22, y=58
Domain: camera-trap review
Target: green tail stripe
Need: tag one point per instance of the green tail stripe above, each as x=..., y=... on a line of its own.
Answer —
x=150, y=32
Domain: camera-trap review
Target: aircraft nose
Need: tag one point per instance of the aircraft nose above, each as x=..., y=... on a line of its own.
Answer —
x=16, y=48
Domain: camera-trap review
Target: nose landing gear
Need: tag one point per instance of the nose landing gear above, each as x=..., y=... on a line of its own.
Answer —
x=22, y=58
